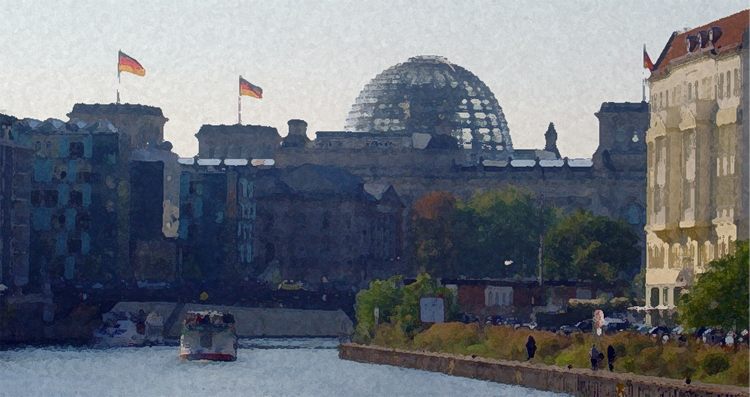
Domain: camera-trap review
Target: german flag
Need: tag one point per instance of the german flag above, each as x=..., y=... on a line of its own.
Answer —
x=248, y=89
x=128, y=64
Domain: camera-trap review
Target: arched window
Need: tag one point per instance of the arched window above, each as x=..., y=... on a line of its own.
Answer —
x=654, y=297
x=729, y=84
x=736, y=82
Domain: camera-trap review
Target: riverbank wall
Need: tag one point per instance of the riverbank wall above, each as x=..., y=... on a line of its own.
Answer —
x=22, y=321
x=574, y=381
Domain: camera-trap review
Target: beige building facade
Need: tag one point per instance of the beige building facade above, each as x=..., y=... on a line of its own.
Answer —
x=697, y=153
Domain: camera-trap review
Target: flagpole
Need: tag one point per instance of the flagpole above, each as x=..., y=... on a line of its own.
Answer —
x=118, y=77
x=643, y=79
x=239, y=109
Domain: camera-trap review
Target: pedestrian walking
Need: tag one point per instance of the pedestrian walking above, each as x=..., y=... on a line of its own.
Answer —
x=530, y=347
x=611, y=357
x=594, y=357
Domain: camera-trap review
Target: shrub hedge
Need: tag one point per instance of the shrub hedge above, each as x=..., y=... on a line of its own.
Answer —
x=636, y=353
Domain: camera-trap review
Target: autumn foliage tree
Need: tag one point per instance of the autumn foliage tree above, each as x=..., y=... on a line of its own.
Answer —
x=433, y=228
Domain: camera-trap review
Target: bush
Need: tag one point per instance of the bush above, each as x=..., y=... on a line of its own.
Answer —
x=679, y=362
x=739, y=372
x=549, y=346
x=575, y=355
x=649, y=361
x=391, y=335
x=713, y=363
x=448, y=337
x=478, y=349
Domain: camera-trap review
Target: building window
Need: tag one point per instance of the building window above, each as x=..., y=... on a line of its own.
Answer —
x=50, y=198
x=83, y=221
x=654, y=297
x=696, y=89
x=736, y=82
x=690, y=91
x=36, y=198
x=76, y=150
x=498, y=296
x=76, y=198
x=729, y=84
x=74, y=246
x=720, y=86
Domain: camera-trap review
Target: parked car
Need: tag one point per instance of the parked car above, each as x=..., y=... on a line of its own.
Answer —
x=713, y=336
x=640, y=328
x=585, y=325
x=530, y=325
x=660, y=331
x=468, y=318
x=493, y=320
x=568, y=329
x=615, y=324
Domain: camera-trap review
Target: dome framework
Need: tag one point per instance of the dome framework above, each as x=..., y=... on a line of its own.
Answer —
x=428, y=94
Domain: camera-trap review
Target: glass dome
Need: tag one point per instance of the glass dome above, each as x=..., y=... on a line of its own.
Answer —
x=428, y=94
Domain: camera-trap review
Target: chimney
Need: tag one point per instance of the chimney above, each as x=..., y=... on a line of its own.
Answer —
x=297, y=127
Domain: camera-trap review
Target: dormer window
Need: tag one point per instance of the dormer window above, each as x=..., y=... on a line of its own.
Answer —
x=703, y=39
x=692, y=42
x=714, y=34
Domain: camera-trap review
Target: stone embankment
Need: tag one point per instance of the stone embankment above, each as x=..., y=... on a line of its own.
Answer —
x=253, y=322
x=575, y=381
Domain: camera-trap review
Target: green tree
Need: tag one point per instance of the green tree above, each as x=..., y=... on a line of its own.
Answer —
x=584, y=246
x=506, y=225
x=382, y=294
x=719, y=297
x=406, y=314
x=398, y=304
x=453, y=238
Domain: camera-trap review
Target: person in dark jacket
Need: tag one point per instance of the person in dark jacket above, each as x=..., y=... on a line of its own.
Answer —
x=530, y=347
x=611, y=357
x=594, y=357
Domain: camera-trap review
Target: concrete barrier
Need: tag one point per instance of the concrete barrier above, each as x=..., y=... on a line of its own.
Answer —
x=577, y=382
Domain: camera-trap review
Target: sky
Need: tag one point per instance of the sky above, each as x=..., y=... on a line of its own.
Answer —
x=545, y=61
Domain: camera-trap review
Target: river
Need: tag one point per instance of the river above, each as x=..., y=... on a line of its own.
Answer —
x=263, y=368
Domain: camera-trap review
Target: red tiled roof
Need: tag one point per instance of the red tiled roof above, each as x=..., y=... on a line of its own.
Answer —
x=732, y=29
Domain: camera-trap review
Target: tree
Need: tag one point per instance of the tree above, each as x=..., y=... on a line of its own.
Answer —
x=382, y=294
x=452, y=238
x=506, y=226
x=398, y=304
x=433, y=223
x=406, y=314
x=583, y=246
x=719, y=297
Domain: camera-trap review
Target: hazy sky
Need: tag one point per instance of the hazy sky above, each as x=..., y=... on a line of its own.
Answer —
x=544, y=61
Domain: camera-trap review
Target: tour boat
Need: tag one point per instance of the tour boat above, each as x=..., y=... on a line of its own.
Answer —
x=208, y=335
